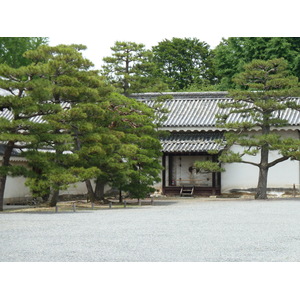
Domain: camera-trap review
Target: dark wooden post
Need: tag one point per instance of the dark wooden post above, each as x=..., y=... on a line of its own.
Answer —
x=170, y=169
x=213, y=183
x=164, y=173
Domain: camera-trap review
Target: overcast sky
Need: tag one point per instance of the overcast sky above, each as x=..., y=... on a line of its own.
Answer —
x=98, y=24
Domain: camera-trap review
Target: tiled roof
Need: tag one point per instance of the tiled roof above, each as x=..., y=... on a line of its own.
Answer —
x=7, y=114
x=188, y=110
x=195, y=110
x=191, y=142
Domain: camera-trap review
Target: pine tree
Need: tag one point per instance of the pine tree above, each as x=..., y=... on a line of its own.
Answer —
x=96, y=123
x=24, y=98
x=77, y=89
x=122, y=136
x=141, y=148
x=266, y=90
x=131, y=69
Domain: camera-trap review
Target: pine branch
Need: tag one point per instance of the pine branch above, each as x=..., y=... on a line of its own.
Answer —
x=279, y=160
x=248, y=162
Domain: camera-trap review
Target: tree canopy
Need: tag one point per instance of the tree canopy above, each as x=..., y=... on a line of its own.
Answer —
x=188, y=64
x=232, y=53
x=184, y=62
x=13, y=48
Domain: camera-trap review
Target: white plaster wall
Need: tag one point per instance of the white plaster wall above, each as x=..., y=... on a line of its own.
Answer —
x=80, y=188
x=242, y=176
x=76, y=189
x=285, y=174
x=15, y=189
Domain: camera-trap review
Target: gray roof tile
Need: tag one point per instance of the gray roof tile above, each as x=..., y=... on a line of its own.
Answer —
x=191, y=142
x=199, y=109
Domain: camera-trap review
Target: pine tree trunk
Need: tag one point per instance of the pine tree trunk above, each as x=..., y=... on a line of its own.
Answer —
x=5, y=163
x=125, y=82
x=90, y=191
x=2, y=189
x=99, y=190
x=53, y=198
x=261, y=192
x=120, y=196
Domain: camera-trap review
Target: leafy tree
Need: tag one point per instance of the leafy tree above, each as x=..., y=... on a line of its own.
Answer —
x=184, y=62
x=130, y=69
x=265, y=90
x=13, y=48
x=232, y=53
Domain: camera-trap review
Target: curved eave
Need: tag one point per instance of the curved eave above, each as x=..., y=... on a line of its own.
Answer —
x=190, y=129
x=191, y=148
x=212, y=129
x=15, y=158
x=192, y=142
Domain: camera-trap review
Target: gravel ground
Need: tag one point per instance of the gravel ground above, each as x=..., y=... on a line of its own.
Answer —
x=168, y=231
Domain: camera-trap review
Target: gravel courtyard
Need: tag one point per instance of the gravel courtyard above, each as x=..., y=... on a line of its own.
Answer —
x=168, y=231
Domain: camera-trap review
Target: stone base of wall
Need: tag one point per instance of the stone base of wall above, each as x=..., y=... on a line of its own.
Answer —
x=271, y=192
x=17, y=201
x=27, y=200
